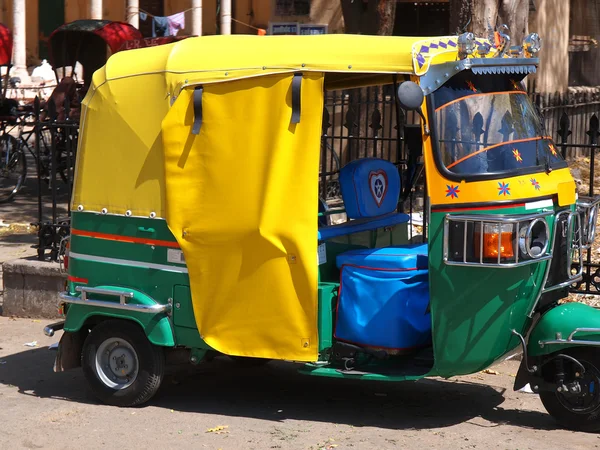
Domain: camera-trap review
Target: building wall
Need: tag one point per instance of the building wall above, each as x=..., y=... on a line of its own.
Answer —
x=257, y=13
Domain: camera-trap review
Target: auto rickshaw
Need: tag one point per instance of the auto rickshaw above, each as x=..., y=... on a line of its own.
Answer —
x=195, y=221
x=88, y=42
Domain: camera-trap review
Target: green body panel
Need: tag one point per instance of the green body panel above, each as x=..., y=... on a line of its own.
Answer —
x=327, y=299
x=183, y=310
x=151, y=282
x=186, y=330
x=563, y=319
x=124, y=226
x=190, y=337
x=156, y=326
x=311, y=369
x=474, y=309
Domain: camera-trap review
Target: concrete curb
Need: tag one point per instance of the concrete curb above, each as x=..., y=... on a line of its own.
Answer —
x=31, y=288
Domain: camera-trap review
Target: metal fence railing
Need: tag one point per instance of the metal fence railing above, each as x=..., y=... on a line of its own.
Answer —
x=56, y=138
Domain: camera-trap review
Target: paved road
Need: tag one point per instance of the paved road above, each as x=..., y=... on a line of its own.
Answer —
x=265, y=408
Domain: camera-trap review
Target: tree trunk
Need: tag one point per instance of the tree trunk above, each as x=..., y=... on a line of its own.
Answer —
x=369, y=16
x=480, y=15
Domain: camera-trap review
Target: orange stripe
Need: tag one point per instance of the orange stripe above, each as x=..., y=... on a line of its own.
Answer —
x=119, y=238
x=478, y=95
x=73, y=279
x=516, y=141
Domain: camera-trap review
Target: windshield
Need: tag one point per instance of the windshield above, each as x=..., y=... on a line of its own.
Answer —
x=486, y=124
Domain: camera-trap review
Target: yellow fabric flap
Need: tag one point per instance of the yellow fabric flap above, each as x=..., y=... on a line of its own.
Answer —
x=242, y=201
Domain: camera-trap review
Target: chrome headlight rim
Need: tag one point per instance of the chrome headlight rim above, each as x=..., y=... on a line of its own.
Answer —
x=526, y=239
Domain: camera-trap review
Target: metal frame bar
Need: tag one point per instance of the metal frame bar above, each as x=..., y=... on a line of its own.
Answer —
x=571, y=341
x=569, y=281
x=49, y=330
x=122, y=305
x=587, y=206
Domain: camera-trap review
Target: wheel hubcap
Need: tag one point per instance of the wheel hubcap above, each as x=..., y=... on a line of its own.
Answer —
x=116, y=363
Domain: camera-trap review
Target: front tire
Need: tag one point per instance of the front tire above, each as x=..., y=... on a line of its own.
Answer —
x=121, y=366
x=581, y=412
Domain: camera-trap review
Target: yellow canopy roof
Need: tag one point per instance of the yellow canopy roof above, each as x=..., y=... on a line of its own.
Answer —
x=211, y=59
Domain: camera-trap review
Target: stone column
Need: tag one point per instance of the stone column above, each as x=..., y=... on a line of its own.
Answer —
x=132, y=12
x=226, y=17
x=19, y=43
x=96, y=9
x=197, y=17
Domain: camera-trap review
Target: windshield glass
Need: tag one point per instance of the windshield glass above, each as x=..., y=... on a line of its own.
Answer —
x=486, y=124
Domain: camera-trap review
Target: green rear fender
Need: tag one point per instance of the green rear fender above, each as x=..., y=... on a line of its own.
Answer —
x=157, y=326
x=558, y=324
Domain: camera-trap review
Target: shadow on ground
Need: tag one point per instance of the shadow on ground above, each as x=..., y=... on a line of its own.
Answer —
x=23, y=208
x=18, y=239
x=277, y=392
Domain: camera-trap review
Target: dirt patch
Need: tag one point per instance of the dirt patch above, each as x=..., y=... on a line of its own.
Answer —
x=16, y=228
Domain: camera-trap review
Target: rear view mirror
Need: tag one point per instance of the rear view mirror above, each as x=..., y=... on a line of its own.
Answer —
x=410, y=96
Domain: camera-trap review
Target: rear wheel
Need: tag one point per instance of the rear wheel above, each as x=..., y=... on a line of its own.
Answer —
x=13, y=167
x=577, y=410
x=121, y=366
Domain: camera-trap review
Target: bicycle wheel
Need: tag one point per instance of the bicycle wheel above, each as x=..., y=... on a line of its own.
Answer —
x=13, y=167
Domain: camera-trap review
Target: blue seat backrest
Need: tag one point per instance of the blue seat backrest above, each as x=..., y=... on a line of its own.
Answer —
x=370, y=187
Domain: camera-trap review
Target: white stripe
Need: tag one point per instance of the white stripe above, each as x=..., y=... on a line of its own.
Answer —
x=128, y=262
x=539, y=204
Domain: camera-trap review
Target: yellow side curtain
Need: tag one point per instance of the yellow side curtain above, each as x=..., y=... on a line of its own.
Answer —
x=242, y=201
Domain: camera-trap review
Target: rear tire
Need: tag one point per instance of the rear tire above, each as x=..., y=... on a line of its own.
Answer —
x=581, y=413
x=121, y=366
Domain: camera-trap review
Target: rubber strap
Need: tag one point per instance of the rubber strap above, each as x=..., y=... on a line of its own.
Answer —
x=197, y=110
x=296, y=91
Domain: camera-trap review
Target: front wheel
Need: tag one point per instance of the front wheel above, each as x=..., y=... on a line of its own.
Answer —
x=579, y=410
x=121, y=366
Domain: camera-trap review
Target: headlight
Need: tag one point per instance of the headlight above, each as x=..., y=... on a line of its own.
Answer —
x=534, y=238
x=488, y=243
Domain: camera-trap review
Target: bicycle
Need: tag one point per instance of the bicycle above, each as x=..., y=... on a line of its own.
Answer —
x=13, y=157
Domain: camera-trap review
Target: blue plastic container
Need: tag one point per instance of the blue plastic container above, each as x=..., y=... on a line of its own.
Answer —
x=384, y=298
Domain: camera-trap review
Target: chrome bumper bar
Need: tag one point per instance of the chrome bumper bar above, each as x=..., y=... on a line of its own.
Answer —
x=49, y=330
x=571, y=341
x=122, y=305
